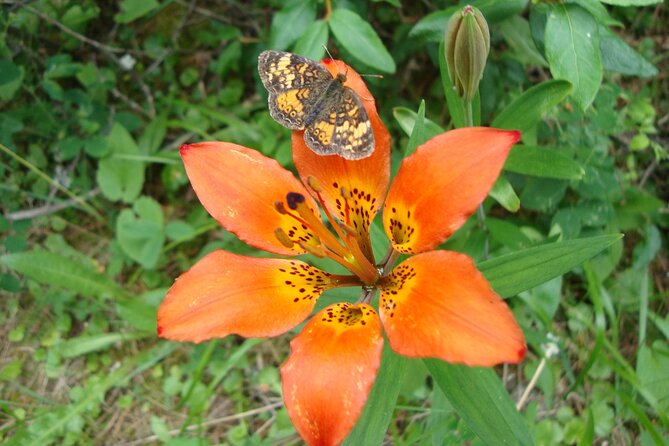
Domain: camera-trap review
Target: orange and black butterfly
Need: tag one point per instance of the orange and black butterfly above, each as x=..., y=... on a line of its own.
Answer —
x=303, y=95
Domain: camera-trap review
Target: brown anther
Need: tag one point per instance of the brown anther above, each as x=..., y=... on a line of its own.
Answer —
x=283, y=238
x=294, y=199
x=345, y=193
x=280, y=208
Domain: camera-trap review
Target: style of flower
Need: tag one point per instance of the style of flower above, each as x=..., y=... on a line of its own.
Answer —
x=433, y=304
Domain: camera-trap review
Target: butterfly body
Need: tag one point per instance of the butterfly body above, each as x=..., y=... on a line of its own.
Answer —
x=303, y=95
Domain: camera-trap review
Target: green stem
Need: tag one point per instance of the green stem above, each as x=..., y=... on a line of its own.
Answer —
x=469, y=114
x=90, y=209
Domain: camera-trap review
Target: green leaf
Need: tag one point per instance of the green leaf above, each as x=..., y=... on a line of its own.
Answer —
x=86, y=344
x=432, y=27
x=507, y=233
x=543, y=162
x=53, y=269
x=359, y=38
x=455, y=105
x=373, y=423
x=418, y=133
x=631, y=2
x=289, y=23
x=11, y=77
x=519, y=271
x=516, y=32
x=134, y=9
x=572, y=50
x=479, y=397
x=406, y=118
x=180, y=231
x=153, y=135
x=503, y=193
x=141, y=233
x=527, y=110
x=313, y=40
x=618, y=56
x=120, y=179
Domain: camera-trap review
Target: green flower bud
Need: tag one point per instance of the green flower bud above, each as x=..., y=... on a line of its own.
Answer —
x=467, y=46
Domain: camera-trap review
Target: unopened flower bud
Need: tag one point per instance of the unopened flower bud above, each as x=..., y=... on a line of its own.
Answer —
x=467, y=46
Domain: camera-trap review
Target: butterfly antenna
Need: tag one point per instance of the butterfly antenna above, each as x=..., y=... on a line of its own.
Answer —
x=332, y=58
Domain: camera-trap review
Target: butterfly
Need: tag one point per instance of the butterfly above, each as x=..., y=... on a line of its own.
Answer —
x=303, y=95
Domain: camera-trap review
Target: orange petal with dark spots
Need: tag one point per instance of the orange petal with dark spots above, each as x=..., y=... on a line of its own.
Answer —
x=226, y=293
x=439, y=186
x=366, y=179
x=330, y=371
x=438, y=305
x=239, y=188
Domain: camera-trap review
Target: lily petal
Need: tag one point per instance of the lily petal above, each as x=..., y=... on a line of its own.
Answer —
x=437, y=304
x=226, y=293
x=239, y=188
x=441, y=184
x=366, y=179
x=330, y=371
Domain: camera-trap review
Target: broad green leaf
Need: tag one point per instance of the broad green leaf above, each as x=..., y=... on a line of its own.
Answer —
x=618, y=56
x=86, y=344
x=373, y=423
x=432, y=27
x=631, y=2
x=313, y=40
x=519, y=271
x=479, y=397
x=542, y=162
x=516, y=32
x=528, y=109
x=418, y=134
x=360, y=40
x=134, y=9
x=507, y=233
x=455, y=105
x=503, y=193
x=141, y=233
x=572, y=51
x=180, y=231
x=290, y=22
x=52, y=269
x=120, y=179
x=11, y=77
x=406, y=118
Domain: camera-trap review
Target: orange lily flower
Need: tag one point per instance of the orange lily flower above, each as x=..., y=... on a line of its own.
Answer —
x=433, y=304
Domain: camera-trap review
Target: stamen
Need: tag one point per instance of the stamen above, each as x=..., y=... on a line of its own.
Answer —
x=283, y=238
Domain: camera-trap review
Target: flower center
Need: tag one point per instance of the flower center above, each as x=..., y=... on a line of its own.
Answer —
x=346, y=247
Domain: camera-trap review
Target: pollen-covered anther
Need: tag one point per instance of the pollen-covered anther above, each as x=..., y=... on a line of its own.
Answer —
x=314, y=184
x=283, y=238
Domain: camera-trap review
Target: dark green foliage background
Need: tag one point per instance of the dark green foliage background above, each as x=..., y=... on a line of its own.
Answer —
x=97, y=217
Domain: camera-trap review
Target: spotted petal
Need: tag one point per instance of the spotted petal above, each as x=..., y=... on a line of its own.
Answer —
x=226, y=293
x=441, y=184
x=330, y=372
x=366, y=179
x=239, y=188
x=437, y=304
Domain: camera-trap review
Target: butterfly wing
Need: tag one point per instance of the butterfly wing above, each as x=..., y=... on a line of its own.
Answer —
x=295, y=85
x=343, y=129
